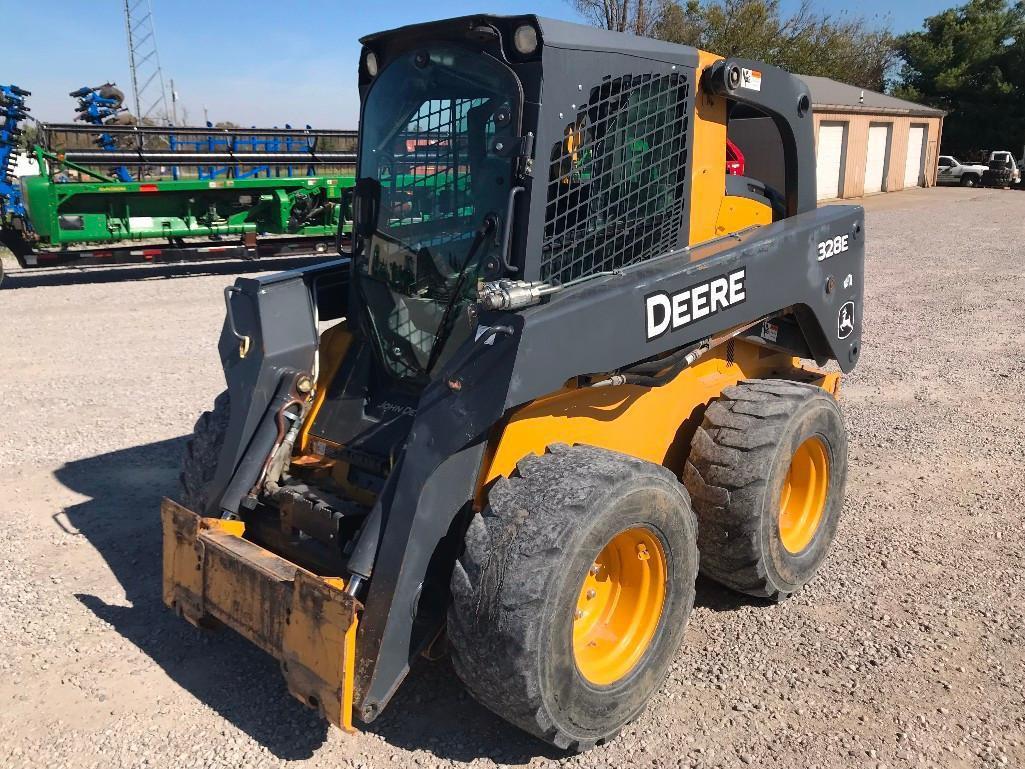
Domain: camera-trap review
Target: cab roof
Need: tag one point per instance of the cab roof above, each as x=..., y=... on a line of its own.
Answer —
x=555, y=34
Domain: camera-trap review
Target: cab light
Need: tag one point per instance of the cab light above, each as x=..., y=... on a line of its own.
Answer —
x=525, y=39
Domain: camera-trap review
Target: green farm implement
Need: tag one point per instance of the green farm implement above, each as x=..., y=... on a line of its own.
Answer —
x=194, y=194
x=65, y=215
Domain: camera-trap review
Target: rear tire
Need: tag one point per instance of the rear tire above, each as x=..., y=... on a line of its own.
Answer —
x=521, y=590
x=969, y=180
x=13, y=241
x=766, y=473
x=203, y=449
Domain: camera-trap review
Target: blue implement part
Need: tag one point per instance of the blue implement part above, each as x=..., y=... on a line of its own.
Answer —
x=239, y=143
x=13, y=111
x=100, y=105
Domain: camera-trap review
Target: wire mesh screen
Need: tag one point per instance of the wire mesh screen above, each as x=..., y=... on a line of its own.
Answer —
x=429, y=180
x=616, y=179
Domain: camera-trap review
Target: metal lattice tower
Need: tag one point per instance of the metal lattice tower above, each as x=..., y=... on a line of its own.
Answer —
x=148, y=92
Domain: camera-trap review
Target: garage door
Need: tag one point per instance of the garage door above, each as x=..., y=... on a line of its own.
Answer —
x=829, y=165
x=877, y=157
x=913, y=163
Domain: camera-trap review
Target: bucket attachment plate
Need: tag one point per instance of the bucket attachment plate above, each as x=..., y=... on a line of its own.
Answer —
x=212, y=575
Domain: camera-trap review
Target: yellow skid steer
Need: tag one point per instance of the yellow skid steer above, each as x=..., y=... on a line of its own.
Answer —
x=563, y=355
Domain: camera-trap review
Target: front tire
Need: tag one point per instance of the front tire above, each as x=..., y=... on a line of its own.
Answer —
x=199, y=460
x=766, y=472
x=573, y=593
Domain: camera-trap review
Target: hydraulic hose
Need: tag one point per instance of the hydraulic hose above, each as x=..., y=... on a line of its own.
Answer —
x=646, y=374
x=652, y=367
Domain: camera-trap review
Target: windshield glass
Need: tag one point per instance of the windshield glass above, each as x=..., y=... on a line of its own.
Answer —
x=431, y=127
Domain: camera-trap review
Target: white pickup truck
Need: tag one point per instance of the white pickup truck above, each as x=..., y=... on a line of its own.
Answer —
x=953, y=171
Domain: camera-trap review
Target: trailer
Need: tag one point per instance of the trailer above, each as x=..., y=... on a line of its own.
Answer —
x=91, y=222
x=109, y=193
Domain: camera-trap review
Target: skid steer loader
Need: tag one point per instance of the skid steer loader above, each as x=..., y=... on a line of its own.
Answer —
x=562, y=354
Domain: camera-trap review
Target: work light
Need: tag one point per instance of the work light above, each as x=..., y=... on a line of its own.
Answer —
x=525, y=39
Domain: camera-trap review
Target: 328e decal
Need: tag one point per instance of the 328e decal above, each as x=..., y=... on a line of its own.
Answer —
x=834, y=246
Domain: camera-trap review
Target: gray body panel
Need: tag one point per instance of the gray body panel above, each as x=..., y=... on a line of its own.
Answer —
x=572, y=72
x=787, y=101
x=554, y=34
x=600, y=325
x=593, y=327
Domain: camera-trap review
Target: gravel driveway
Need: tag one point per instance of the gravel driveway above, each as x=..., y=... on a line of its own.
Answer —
x=906, y=651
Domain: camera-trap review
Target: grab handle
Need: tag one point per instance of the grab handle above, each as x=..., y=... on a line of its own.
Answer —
x=243, y=340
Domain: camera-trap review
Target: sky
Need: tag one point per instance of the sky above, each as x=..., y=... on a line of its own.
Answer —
x=259, y=62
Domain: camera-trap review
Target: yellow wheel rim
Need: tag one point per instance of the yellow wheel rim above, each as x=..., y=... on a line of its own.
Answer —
x=619, y=606
x=802, y=502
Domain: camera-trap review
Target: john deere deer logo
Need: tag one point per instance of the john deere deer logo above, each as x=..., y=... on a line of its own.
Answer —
x=845, y=321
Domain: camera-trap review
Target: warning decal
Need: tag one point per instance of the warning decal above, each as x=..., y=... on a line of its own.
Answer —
x=751, y=79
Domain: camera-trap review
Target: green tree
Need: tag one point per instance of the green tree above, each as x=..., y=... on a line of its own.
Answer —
x=843, y=47
x=30, y=137
x=970, y=61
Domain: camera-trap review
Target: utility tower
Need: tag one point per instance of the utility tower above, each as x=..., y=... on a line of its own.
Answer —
x=148, y=92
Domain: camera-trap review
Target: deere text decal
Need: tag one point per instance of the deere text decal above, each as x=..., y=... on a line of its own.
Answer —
x=671, y=312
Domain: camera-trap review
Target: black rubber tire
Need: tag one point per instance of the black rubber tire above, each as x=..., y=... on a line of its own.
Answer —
x=969, y=180
x=519, y=579
x=738, y=462
x=199, y=461
x=110, y=91
x=14, y=243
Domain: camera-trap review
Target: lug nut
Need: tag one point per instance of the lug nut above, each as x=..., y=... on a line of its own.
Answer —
x=578, y=614
x=595, y=569
x=304, y=384
x=591, y=594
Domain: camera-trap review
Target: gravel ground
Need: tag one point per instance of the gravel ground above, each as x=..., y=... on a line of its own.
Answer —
x=905, y=652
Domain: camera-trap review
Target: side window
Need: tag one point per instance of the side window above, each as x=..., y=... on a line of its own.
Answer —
x=616, y=177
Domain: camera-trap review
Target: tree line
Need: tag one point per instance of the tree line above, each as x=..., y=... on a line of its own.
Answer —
x=968, y=61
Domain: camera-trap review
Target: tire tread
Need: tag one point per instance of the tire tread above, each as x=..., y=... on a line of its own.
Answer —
x=726, y=473
x=494, y=644
x=202, y=450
